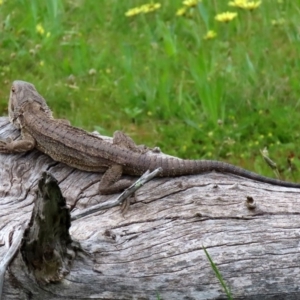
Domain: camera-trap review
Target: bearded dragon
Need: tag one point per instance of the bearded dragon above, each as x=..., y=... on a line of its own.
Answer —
x=80, y=149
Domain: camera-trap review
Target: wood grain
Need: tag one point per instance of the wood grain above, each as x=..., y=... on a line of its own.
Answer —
x=157, y=247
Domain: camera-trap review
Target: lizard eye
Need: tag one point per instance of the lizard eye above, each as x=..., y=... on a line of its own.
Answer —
x=13, y=89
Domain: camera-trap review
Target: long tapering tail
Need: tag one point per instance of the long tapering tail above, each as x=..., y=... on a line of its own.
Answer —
x=176, y=167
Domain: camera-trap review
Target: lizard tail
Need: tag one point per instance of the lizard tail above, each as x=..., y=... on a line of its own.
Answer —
x=177, y=167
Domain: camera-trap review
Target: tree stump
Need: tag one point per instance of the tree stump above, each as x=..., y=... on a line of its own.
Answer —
x=154, y=251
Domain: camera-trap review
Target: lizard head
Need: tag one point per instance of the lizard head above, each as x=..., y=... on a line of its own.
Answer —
x=21, y=94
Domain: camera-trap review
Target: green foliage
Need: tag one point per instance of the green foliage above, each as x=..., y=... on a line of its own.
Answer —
x=164, y=79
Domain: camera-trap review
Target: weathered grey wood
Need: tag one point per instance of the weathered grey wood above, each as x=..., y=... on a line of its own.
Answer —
x=157, y=247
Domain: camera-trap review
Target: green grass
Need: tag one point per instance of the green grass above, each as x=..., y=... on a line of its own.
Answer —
x=218, y=275
x=156, y=78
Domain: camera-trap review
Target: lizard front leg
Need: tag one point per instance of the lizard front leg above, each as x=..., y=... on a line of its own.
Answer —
x=26, y=143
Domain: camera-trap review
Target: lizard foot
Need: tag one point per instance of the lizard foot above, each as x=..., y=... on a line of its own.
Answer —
x=4, y=146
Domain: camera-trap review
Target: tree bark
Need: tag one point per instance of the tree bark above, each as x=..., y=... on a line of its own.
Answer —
x=250, y=230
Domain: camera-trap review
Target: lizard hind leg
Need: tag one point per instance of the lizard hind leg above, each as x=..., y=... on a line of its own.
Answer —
x=123, y=140
x=110, y=182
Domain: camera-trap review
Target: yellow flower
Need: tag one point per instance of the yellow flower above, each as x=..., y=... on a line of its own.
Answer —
x=144, y=9
x=40, y=29
x=226, y=16
x=133, y=11
x=245, y=4
x=191, y=3
x=237, y=3
x=181, y=11
x=252, y=5
x=210, y=35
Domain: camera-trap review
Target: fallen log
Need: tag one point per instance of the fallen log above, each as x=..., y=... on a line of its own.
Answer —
x=155, y=251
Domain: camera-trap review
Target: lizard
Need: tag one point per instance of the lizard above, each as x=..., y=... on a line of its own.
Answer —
x=29, y=112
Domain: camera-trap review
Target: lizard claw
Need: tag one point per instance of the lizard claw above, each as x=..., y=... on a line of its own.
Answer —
x=3, y=147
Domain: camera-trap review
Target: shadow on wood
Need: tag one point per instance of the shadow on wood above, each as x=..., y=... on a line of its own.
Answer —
x=250, y=230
